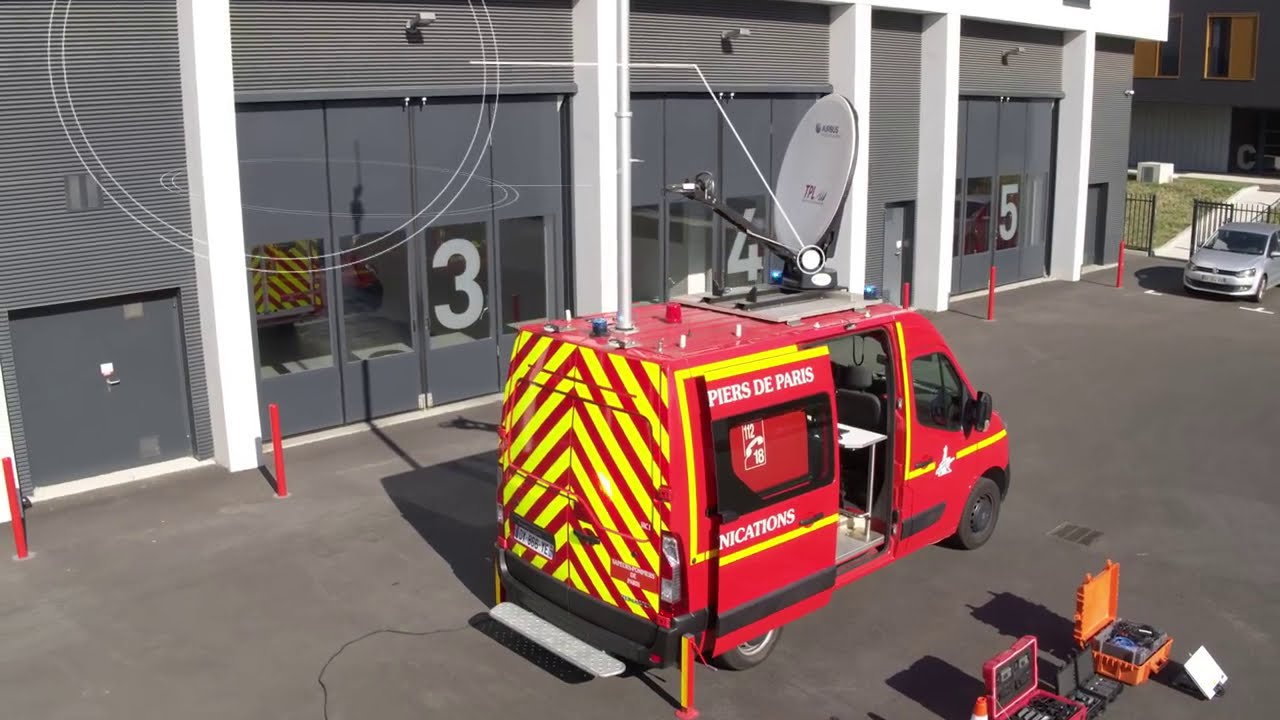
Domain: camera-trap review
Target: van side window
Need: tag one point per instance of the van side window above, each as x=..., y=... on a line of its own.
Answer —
x=771, y=455
x=933, y=376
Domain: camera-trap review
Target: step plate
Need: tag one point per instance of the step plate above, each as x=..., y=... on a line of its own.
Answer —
x=565, y=646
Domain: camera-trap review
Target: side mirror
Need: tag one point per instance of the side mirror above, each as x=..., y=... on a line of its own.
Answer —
x=980, y=412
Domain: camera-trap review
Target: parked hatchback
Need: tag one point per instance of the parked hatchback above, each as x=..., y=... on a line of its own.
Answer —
x=1242, y=259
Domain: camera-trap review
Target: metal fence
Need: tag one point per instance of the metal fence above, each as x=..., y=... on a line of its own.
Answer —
x=1209, y=215
x=1140, y=222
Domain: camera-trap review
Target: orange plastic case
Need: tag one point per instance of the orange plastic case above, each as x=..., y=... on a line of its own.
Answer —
x=1096, y=604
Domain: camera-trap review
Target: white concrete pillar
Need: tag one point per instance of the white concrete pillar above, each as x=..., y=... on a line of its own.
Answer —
x=213, y=176
x=1075, y=127
x=850, y=73
x=936, y=178
x=595, y=147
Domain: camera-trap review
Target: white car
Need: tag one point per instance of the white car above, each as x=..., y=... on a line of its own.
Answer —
x=1241, y=260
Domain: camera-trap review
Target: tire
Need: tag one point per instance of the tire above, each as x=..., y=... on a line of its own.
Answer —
x=981, y=512
x=1262, y=290
x=749, y=654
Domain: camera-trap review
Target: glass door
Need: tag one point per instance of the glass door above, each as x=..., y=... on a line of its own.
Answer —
x=742, y=259
x=1010, y=186
x=977, y=211
x=369, y=183
x=287, y=244
x=691, y=143
x=452, y=172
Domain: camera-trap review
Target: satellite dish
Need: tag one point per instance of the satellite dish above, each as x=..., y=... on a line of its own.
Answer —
x=813, y=183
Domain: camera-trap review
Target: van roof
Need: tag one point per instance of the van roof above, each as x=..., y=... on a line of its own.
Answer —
x=710, y=332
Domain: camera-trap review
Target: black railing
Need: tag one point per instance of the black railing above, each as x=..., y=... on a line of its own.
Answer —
x=1209, y=215
x=1140, y=222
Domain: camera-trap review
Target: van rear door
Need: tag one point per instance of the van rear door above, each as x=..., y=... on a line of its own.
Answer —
x=776, y=509
x=615, y=475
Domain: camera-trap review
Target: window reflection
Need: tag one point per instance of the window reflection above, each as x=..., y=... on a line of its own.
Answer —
x=522, y=276
x=743, y=256
x=375, y=295
x=290, y=311
x=690, y=247
x=457, y=284
x=977, y=222
x=646, y=255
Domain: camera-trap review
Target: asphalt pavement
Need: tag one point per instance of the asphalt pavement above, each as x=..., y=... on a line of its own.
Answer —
x=1139, y=413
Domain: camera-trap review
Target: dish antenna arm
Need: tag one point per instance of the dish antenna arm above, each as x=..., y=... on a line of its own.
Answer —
x=702, y=189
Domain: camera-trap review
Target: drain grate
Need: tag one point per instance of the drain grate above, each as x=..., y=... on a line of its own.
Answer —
x=1077, y=534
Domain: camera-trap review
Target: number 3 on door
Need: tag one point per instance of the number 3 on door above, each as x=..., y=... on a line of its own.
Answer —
x=464, y=282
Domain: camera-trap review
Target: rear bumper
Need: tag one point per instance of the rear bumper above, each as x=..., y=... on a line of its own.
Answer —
x=609, y=628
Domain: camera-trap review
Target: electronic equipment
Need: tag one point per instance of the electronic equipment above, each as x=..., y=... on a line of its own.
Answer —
x=1076, y=677
x=1123, y=650
x=1012, y=686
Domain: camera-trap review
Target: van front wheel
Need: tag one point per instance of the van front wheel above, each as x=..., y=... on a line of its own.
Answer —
x=981, y=511
x=751, y=653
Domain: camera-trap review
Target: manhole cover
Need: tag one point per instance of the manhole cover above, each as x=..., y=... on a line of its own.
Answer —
x=1078, y=534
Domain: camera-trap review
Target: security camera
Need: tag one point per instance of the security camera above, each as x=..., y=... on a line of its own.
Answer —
x=418, y=20
x=1128, y=93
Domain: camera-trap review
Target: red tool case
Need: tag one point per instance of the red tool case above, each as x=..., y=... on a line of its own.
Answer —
x=1013, y=687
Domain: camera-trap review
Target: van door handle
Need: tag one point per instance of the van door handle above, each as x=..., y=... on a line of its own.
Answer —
x=811, y=520
x=924, y=463
x=587, y=538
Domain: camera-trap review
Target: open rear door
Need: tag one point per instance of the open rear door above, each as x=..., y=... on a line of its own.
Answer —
x=776, y=509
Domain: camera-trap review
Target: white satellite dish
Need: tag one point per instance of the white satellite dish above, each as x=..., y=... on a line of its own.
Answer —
x=812, y=186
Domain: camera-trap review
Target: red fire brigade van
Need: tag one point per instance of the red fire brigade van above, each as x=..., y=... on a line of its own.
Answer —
x=719, y=465
x=720, y=474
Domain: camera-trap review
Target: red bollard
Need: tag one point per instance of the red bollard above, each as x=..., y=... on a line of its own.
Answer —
x=1120, y=266
x=991, y=294
x=277, y=448
x=15, y=510
x=906, y=294
x=687, y=711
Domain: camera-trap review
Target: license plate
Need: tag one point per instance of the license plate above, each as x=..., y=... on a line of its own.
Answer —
x=526, y=537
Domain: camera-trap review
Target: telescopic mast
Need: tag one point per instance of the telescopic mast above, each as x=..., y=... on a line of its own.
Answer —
x=623, y=113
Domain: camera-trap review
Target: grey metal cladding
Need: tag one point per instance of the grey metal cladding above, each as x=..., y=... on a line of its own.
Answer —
x=1037, y=72
x=787, y=47
x=1109, y=146
x=120, y=101
x=894, y=135
x=344, y=47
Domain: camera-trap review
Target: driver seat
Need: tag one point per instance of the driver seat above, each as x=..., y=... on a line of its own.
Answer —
x=856, y=405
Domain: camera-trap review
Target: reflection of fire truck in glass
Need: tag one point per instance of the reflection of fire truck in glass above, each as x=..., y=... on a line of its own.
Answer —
x=288, y=281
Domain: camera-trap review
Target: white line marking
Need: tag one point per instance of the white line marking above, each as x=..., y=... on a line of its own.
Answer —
x=1152, y=292
x=1257, y=310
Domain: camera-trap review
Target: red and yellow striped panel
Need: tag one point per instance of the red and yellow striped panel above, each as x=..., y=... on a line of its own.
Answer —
x=284, y=277
x=589, y=425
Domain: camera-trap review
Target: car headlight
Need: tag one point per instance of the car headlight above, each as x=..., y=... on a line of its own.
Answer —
x=1247, y=273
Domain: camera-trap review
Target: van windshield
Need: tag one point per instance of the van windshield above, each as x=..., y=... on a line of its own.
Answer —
x=1240, y=242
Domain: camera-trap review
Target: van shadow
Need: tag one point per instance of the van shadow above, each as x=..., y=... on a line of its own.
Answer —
x=451, y=506
x=1015, y=616
x=938, y=686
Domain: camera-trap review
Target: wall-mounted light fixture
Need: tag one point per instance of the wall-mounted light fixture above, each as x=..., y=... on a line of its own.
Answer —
x=1004, y=59
x=419, y=20
x=1128, y=93
x=735, y=33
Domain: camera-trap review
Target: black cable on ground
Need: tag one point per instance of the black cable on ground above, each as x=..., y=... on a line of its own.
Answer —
x=324, y=689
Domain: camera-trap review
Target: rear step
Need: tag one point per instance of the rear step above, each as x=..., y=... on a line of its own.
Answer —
x=562, y=644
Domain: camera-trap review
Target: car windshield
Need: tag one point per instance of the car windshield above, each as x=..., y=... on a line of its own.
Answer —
x=1239, y=241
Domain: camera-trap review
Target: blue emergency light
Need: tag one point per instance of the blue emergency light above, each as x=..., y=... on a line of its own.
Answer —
x=599, y=327
x=870, y=292
x=775, y=277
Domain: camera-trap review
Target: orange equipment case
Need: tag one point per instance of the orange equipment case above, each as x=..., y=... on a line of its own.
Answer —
x=1096, y=620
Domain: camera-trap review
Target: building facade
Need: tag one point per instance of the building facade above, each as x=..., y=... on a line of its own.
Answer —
x=1208, y=92
x=216, y=205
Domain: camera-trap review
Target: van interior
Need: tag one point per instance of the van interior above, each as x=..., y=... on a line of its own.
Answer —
x=864, y=397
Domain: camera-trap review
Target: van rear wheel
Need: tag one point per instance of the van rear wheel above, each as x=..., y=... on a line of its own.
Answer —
x=749, y=654
x=981, y=511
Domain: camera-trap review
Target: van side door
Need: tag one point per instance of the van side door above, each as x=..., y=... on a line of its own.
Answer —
x=934, y=491
x=774, y=506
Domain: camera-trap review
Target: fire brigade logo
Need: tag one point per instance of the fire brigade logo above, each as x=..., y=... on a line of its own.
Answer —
x=944, y=465
x=753, y=451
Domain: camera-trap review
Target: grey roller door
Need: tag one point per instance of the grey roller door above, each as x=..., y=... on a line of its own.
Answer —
x=1037, y=72
x=1109, y=153
x=62, y=238
x=894, y=136
x=787, y=48
x=284, y=49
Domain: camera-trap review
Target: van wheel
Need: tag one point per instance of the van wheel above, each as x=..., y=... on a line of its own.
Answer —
x=749, y=654
x=981, y=511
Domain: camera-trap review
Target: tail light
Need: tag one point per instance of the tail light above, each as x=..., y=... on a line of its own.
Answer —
x=672, y=578
x=502, y=529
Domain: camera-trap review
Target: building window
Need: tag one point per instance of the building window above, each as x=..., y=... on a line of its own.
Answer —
x=1153, y=59
x=1231, y=47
